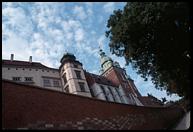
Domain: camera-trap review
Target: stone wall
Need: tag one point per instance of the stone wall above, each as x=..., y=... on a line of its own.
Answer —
x=31, y=107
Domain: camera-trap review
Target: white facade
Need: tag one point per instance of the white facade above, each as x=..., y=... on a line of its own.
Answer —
x=37, y=75
x=69, y=78
x=72, y=81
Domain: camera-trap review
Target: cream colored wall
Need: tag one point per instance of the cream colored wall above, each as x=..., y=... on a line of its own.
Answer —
x=72, y=80
x=98, y=93
x=37, y=75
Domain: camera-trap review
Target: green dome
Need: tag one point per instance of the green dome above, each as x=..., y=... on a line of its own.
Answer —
x=67, y=56
x=105, y=59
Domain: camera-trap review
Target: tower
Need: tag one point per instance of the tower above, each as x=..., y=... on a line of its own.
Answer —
x=116, y=74
x=72, y=76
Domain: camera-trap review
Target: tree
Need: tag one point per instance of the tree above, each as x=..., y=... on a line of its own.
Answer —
x=163, y=100
x=154, y=37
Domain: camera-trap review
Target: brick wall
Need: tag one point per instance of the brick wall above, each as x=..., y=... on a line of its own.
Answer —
x=31, y=107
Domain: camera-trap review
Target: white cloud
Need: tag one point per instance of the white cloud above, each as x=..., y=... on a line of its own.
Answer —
x=46, y=30
x=79, y=12
x=100, y=19
x=100, y=41
x=109, y=7
x=79, y=35
x=16, y=20
x=17, y=46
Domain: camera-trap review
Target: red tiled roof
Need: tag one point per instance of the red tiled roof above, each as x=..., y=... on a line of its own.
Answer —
x=99, y=79
x=25, y=64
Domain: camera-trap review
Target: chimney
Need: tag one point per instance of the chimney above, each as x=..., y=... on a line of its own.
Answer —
x=12, y=56
x=30, y=59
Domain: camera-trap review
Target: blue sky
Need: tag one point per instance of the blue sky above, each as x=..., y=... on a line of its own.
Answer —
x=46, y=31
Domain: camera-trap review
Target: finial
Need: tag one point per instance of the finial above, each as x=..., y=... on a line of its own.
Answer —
x=100, y=45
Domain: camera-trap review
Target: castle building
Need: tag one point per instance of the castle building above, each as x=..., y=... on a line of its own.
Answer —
x=112, y=85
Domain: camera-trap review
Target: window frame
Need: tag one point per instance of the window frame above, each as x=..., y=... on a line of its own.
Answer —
x=64, y=78
x=54, y=82
x=18, y=79
x=28, y=79
x=82, y=86
x=78, y=74
x=104, y=92
x=46, y=84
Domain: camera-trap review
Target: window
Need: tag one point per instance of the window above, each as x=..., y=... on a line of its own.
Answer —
x=111, y=93
x=123, y=77
x=28, y=79
x=102, y=88
x=81, y=85
x=75, y=66
x=64, y=78
x=116, y=89
x=66, y=89
x=16, y=78
x=78, y=75
x=56, y=83
x=47, y=82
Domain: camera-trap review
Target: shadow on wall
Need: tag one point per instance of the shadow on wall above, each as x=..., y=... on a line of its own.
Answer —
x=31, y=107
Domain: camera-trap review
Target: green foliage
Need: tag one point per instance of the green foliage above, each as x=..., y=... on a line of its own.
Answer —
x=155, y=38
x=163, y=100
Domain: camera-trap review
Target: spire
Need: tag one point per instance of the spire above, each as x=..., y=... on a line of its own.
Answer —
x=101, y=53
x=106, y=61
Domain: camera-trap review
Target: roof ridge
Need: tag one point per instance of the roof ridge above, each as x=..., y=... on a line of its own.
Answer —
x=25, y=63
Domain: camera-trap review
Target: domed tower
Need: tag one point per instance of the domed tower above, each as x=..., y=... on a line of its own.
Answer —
x=118, y=76
x=106, y=62
x=72, y=76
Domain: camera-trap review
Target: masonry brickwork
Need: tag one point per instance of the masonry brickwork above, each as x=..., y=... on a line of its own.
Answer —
x=31, y=107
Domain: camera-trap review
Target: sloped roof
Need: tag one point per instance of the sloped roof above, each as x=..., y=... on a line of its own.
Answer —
x=25, y=64
x=93, y=78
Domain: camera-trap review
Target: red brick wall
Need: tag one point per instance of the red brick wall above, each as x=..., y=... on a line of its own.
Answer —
x=115, y=76
x=35, y=108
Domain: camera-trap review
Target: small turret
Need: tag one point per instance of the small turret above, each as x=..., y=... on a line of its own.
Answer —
x=106, y=61
x=67, y=57
x=73, y=76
